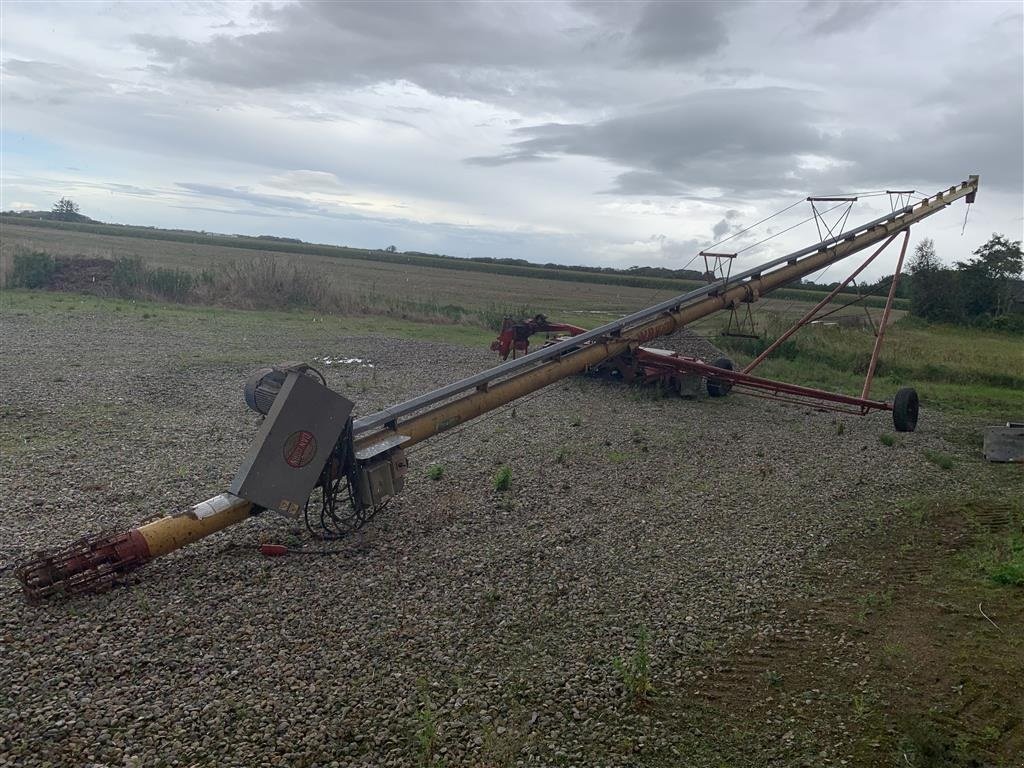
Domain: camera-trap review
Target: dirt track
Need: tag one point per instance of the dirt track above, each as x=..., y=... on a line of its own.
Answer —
x=494, y=617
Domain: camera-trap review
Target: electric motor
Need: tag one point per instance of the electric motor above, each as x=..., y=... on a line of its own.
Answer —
x=264, y=384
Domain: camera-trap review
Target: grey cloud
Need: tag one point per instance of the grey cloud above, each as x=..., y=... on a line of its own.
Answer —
x=273, y=202
x=480, y=50
x=646, y=183
x=671, y=32
x=303, y=179
x=727, y=226
x=739, y=138
x=52, y=83
x=130, y=189
x=974, y=125
x=841, y=16
x=512, y=157
x=752, y=142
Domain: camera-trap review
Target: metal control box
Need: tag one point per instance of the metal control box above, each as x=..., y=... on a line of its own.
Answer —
x=383, y=478
x=293, y=445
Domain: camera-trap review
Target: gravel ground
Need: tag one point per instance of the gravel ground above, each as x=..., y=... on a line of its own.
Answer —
x=491, y=618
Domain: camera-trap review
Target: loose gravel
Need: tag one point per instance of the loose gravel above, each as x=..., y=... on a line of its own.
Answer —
x=465, y=626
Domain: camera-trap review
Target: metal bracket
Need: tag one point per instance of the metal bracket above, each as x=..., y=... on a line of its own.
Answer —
x=382, y=446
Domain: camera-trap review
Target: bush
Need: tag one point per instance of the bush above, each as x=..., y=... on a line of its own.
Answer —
x=32, y=269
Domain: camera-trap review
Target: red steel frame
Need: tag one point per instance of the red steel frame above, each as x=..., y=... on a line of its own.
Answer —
x=656, y=365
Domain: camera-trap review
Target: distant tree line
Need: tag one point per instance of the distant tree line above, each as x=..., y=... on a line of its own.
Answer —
x=984, y=290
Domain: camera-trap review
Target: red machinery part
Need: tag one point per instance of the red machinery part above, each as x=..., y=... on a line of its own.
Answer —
x=273, y=550
x=515, y=334
x=91, y=564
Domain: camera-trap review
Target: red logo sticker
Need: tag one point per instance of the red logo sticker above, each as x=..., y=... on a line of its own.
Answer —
x=299, y=448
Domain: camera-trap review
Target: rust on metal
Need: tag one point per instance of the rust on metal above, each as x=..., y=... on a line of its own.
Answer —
x=885, y=318
x=91, y=564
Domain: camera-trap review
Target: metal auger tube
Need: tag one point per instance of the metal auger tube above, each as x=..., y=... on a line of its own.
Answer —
x=96, y=562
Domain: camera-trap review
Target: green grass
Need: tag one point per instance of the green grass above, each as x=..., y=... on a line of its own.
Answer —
x=1000, y=558
x=42, y=303
x=941, y=460
x=961, y=370
x=435, y=472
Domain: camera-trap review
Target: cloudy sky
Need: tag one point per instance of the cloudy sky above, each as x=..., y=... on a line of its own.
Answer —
x=574, y=132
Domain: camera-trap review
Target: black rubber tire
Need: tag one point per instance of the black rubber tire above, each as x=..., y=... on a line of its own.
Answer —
x=717, y=387
x=905, y=410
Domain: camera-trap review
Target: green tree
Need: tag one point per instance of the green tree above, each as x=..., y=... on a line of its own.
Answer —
x=924, y=258
x=65, y=209
x=990, y=275
x=934, y=289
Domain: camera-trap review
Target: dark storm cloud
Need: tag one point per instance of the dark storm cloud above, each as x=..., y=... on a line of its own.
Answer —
x=749, y=138
x=480, y=50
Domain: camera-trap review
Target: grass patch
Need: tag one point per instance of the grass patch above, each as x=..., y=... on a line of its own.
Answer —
x=1000, y=558
x=962, y=370
x=297, y=322
x=941, y=460
x=435, y=472
x=887, y=440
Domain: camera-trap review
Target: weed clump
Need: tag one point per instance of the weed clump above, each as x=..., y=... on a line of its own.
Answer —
x=635, y=671
x=426, y=727
x=435, y=472
x=503, y=479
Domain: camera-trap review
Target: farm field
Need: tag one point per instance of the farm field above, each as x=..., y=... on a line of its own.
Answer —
x=796, y=587
x=388, y=284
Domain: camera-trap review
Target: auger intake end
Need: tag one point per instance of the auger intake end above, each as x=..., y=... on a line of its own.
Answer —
x=91, y=564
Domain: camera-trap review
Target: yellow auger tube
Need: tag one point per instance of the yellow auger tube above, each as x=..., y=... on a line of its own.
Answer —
x=176, y=531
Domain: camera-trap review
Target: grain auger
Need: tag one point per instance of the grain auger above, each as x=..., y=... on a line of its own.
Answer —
x=312, y=459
